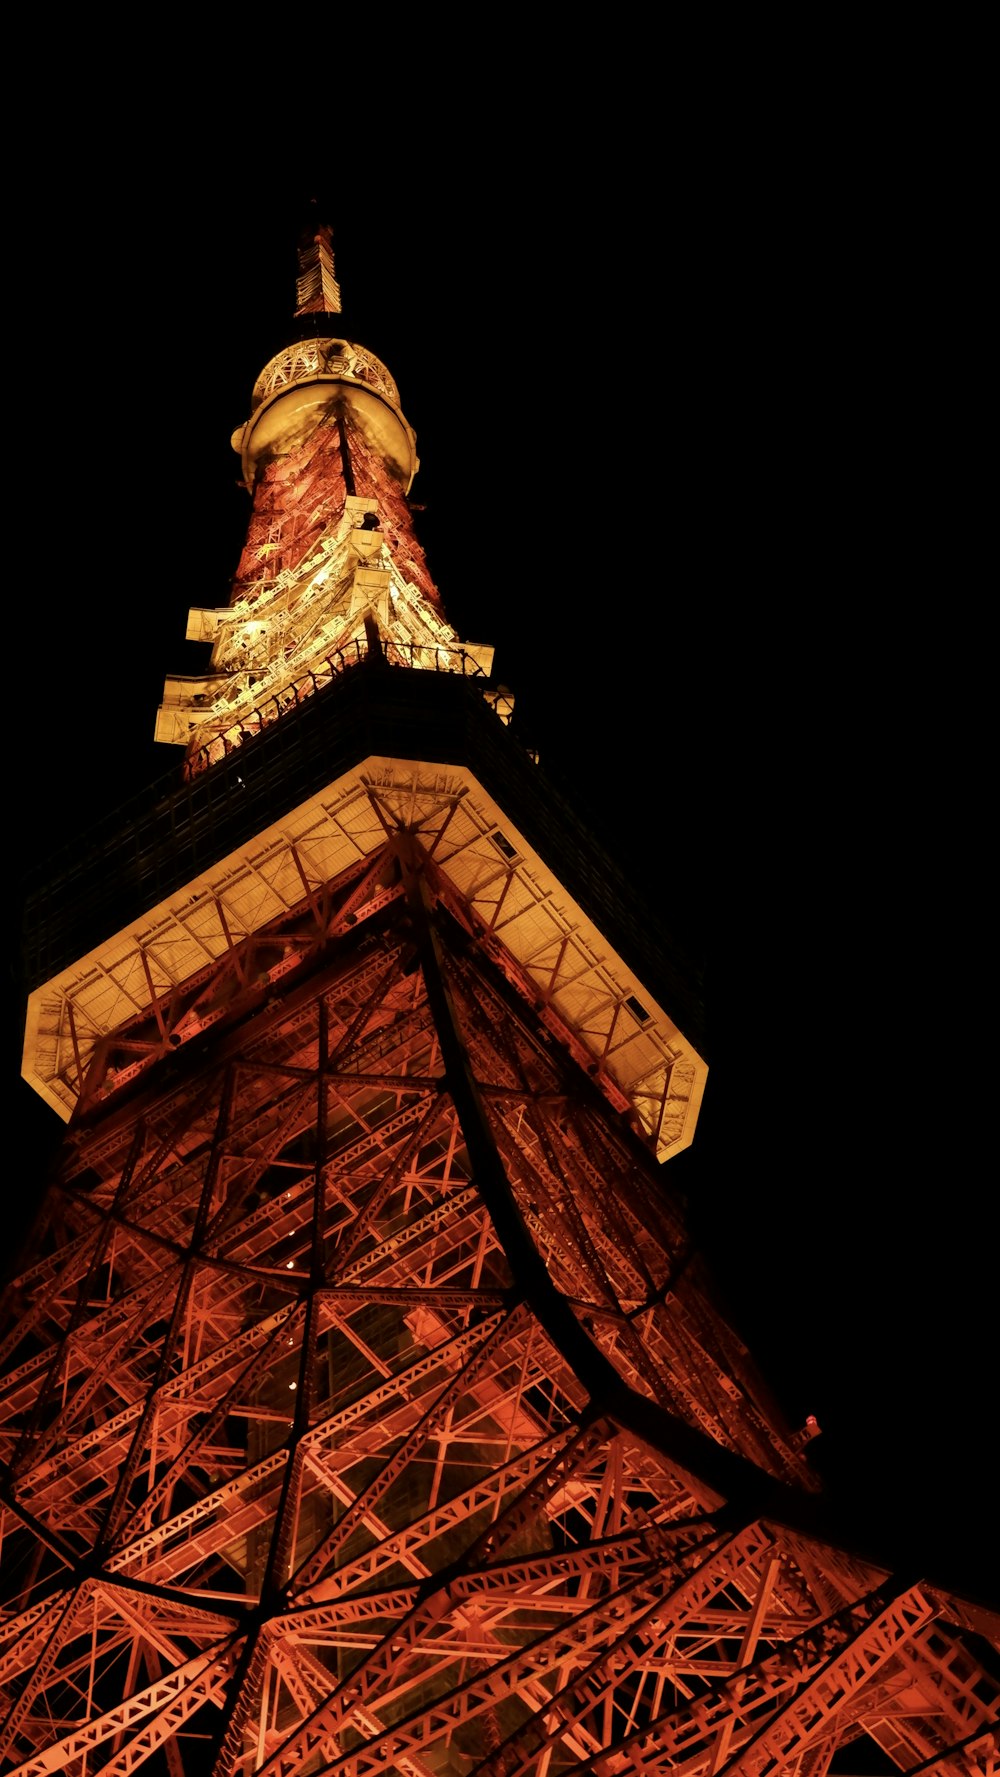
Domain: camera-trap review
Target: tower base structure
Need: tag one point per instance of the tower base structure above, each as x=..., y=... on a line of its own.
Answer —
x=365, y=1406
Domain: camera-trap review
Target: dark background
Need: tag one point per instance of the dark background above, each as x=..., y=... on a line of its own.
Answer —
x=656, y=389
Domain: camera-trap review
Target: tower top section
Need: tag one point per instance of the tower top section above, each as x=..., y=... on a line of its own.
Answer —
x=319, y=377
x=316, y=291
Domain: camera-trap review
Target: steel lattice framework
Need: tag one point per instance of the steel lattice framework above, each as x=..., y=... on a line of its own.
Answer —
x=364, y=1407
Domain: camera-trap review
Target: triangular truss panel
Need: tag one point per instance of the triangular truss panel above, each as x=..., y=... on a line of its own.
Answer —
x=252, y=921
x=364, y=1408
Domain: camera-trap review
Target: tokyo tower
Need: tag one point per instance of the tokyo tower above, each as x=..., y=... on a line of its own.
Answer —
x=364, y=1406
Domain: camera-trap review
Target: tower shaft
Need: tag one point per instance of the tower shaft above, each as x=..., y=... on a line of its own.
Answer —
x=363, y=1404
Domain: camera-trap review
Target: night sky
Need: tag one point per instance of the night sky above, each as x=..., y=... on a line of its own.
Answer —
x=656, y=473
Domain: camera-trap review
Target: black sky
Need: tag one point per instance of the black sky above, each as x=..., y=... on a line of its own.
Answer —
x=657, y=473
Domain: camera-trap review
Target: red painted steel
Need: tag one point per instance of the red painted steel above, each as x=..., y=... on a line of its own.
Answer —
x=299, y=1473
x=364, y=1408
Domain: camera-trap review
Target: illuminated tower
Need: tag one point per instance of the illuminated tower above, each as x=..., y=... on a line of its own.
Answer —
x=364, y=1405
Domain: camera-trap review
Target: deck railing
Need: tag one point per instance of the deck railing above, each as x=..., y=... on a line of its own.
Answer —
x=412, y=655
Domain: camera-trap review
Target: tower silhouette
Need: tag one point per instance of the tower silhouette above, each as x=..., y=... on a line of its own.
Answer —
x=365, y=1406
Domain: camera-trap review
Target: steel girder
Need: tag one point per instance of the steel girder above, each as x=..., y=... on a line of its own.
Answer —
x=364, y=1410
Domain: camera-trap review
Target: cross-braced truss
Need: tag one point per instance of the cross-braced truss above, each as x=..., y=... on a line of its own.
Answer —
x=364, y=1410
x=314, y=584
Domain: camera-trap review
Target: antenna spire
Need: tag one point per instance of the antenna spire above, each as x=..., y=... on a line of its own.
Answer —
x=316, y=289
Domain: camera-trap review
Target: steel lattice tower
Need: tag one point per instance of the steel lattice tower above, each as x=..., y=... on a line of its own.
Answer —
x=364, y=1407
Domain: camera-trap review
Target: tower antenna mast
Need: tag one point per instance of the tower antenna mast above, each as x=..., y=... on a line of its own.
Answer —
x=317, y=290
